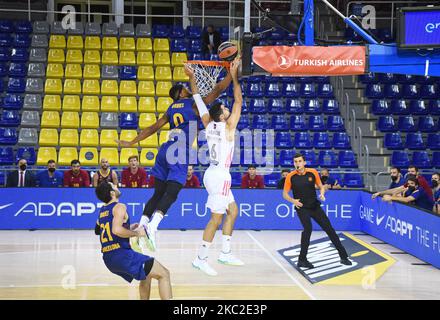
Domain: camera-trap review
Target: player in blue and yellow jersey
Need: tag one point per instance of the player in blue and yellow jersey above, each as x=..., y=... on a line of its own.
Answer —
x=113, y=226
x=171, y=164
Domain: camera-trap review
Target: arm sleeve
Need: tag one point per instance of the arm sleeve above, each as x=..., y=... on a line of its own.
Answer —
x=201, y=106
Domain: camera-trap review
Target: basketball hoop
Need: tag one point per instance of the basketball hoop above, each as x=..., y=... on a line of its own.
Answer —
x=206, y=74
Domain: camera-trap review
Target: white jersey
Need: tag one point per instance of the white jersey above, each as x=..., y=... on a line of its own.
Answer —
x=221, y=150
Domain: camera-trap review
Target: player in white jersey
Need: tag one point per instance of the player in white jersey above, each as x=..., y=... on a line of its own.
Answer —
x=220, y=126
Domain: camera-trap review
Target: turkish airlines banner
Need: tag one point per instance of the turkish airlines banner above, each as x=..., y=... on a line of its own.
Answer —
x=311, y=60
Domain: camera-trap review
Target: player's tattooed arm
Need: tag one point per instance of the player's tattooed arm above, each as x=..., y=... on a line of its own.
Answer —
x=145, y=133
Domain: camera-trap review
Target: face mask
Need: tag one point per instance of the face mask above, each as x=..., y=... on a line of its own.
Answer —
x=23, y=167
x=394, y=178
x=51, y=170
x=324, y=179
x=411, y=189
x=434, y=183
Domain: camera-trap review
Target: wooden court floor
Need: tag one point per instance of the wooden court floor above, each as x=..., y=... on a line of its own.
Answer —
x=68, y=265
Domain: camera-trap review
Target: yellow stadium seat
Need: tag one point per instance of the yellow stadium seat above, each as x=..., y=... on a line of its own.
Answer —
x=107, y=138
x=127, y=43
x=128, y=135
x=91, y=86
x=161, y=59
x=111, y=154
x=148, y=157
x=66, y=155
x=179, y=74
x=147, y=104
x=127, y=153
x=54, y=70
x=56, y=55
x=178, y=58
x=70, y=119
x=109, y=43
x=161, y=44
x=52, y=102
x=48, y=137
x=109, y=87
x=163, y=136
x=146, y=120
x=163, y=103
x=69, y=138
x=93, y=42
x=75, y=42
x=89, y=120
x=109, y=104
x=71, y=103
x=57, y=41
x=53, y=86
x=89, y=138
x=163, y=88
x=92, y=56
x=128, y=104
x=163, y=73
x=145, y=73
x=88, y=156
x=73, y=70
x=45, y=154
x=50, y=119
x=127, y=88
x=144, y=44
x=74, y=56
x=146, y=88
x=150, y=142
x=144, y=58
x=127, y=58
x=165, y=127
x=110, y=57
x=92, y=71
x=90, y=103
x=72, y=86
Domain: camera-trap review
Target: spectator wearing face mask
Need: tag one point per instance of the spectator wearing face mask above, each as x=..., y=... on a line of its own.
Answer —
x=435, y=183
x=284, y=173
x=414, y=194
x=50, y=178
x=328, y=181
x=21, y=177
x=397, y=179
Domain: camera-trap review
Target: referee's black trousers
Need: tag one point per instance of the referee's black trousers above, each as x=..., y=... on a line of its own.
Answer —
x=321, y=218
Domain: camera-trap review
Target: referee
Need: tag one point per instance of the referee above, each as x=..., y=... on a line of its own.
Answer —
x=302, y=182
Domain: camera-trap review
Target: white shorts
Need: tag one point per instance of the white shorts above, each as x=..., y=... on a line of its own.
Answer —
x=218, y=184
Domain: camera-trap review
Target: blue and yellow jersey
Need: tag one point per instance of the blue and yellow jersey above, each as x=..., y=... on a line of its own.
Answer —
x=110, y=241
x=180, y=113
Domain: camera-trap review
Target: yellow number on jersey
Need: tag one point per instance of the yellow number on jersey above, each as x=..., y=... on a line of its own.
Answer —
x=105, y=228
x=177, y=119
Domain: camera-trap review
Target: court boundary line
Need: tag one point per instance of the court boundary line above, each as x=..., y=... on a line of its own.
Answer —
x=311, y=296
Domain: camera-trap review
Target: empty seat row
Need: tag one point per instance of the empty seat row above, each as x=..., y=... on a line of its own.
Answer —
x=319, y=140
x=20, y=26
x=390, y=78
x=420, y=159
x=296, y=123
x=276, y=90
x=348, y=180
x=406, y=91
x=14, y=54
x=403, y=107
x=18, y=40
x=413, y=141
x=407, y=124
x=7, y=155
x=295, y=106
x=325, y=158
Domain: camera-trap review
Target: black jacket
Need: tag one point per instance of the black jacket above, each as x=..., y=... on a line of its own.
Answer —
x=29, y=179
x=205, y=42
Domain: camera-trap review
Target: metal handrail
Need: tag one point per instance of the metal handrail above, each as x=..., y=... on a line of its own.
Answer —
x=359, y=140
x=367, y=158
x=353, y=124
x=347, y=104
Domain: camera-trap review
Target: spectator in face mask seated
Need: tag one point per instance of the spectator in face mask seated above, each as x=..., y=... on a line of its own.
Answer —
x=397, y=179
x=328, y=181
x=50, y=178
x=414, y=194
x=21, y=177
x=435, y=183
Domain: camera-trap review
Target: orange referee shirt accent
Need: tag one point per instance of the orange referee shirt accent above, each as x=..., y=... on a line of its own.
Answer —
x=303, y=186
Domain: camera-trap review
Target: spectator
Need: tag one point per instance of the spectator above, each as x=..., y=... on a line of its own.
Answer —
x=284, y=173
x=251, y=180
x=396, y=178
x=50, y=178
x=191, y=179
x=327, y=181
x=75, y=177
x=415, y=194
x=135, y=176
x=105, y=174
x=435, y=183
x=211, y=40
x=21, y=177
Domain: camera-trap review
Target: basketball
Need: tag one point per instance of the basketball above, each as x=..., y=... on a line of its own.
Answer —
x=227, y=51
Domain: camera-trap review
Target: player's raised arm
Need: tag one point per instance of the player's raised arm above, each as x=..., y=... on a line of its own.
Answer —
x=238, y=95
x=146, y=132
x=218, y=89
x=201, y=107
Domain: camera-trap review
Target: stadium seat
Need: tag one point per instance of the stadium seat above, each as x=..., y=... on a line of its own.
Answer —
x=179, y=74
x=30, y=118
x=110, y=72
x=347, y=159
x=107, y=138
x=89, y=138
x=283, y=140
x=28, y=136
x=392, y=91
x=70, y=119
x=48, y=137
x=6, y=156
x=257, y=106
x=144, y=44
x=72, y=86
x=8, y=136
x=325, y=90
x=16, y=85
x=341, y=140
x=50, y=119
x=14, y=101
x=41, y=27
x=35, y=69
x=163, y=73
x=147, y=104
x=75, y=42
x=335, y=123
x=316, y=123
x=298, y=123
x=414, y=141
x=92, y=71
x=21, y=41
x=126, y=153
x=353, y=180
x=18, y=70
x=127, y=58
x=69, y=138
x=146, y=88
x=327, y=159
x=110, y=43
x=19, y=55
x=54, y=56
x=128, y=104
x=127, y=88
x=145, y=73
x=92, y=56
x=406, y=124
x=294, y=106
x=400, y=159
x=111, y=154
x=5, y=40
x=160, y=31
x=110, y=57
x=91, y=87
x=162, y=59
x=144, y=58
x=273, y=90
x=71, y=103
x=148, y=157
x=146, y=120
x=35, y=85
x=429, y=91
x=243, y=123
x=89, y=120
x=410, y=91
x=254, y=90
x=330, y=106
x=177, y=31
x=150, y=142
x=88, y=156
x=321, y=140
x=90, y=103
x=109, y=87
x=276, y=106
x=126, y=30
x=45, y=154
x=92, y=43
x=271, y=180
x=380, y=107
x=163, y=136
x=436, y=159
x=128, y=135
x=128, y=120
x=279, y=122
x=73, y=71
x=161, y=44
x=127, y=43
x=127, y=73
x=57, y=41
x=10, y=118
x=74, y=56
x=311, y=159
x=302, y=140
x=418, y=107
x=307, y=90
x=53, y=86
x=178, y=58
x=421, y=160
x=393, y=141
x=286, y=158
x=260, y=122
x=178, y=45
x=434, y=107
x=374, y=91
x=163, y=88
x=109, y=104
x=312, y=106
x=433, y=141
x=110, y=29
x=386, y=124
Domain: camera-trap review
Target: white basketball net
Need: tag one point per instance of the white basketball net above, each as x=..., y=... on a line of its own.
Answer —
x=205, y=75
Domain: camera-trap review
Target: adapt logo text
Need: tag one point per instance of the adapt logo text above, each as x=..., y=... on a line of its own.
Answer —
x=397, y=226
x=47, y=209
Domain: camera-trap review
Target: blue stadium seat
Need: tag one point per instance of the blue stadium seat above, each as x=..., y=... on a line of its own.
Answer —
x=128, y=120
x=8, y=136
x=2, y=178
x=353, y=180
x=177, y=31
x=328, y=159
x=3, y=70
x=6, y=26
x=276, y=106
x=193, y=32
x=335, y=123
x=224, y=33
x=425, y=79
x=406, y=124
x=312, y=106
x=260, y=122
x=368, y=78
x=322, y=79
x=374, y=91
x=400, y=159
x=393, y=141
x=5, y=40
x=298, y=123
x=257, y=106
x=23, y=26
x=286, y=158
x=433, y=141
x=19, y=55
x=127, y=73
x=347, y=159
x=279, y=122
x=310, y=157
x=307, y=90
x=290, y=90
x=387, y=78
x=410, y=91
x=178, y=45
x=214, y=57
x=13, y=101
x=230, y=90
x=330, y=106
x=6, y=156
x=21, y=41
x=436, y=159
x=254, y=90
x=243, y=123
x=235, y=179
x=257, y=78
x=321, y=140
x=421, y=159
x=271, y=180
x=429, y=91
x=392, y=91
x=418, y=107
x=325, y=90
x=427, y=124
x=27, y=153
x=399, y=107
x=434, y=107
x=160, y=31
x=294, y=106
x=379, y=107
x=302, y=140
x=16, y=85
x=414, y=141
x=5, y=54
x=283, y=140
x=406, y=78
x=341, y=140
x=316, y=123
x=17, y=70
x=196, y=56
x=10, y=118
x=194, y=45
x=273, y=90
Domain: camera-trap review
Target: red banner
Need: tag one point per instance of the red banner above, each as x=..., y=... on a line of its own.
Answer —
x=311, y=60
